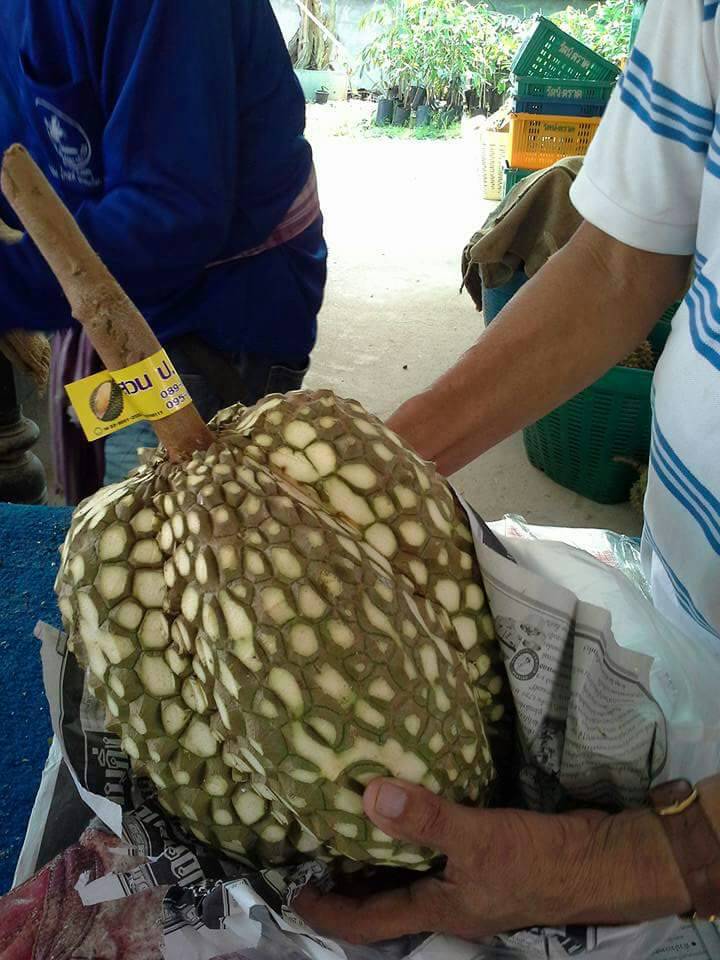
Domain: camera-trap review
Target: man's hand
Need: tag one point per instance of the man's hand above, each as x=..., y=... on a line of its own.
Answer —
x=506, y=869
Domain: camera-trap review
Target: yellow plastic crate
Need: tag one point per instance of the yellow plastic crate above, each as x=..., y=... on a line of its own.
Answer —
x=538, y=140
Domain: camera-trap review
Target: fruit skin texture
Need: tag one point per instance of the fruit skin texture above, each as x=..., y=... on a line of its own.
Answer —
x=274, y=624
x=638, y=491
x=642, y=358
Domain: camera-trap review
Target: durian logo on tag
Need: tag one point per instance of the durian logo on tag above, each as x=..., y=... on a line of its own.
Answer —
x=106, y=401
x=111, y=400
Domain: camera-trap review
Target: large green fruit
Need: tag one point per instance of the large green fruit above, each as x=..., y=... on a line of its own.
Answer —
x=274, y=624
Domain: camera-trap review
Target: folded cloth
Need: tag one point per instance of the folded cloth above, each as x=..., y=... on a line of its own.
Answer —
x=534, y=221
x=45, y=917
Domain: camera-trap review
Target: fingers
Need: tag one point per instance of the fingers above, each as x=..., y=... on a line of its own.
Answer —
x=419, y=908
x=409, y=812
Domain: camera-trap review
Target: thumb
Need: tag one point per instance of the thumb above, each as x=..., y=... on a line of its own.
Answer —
x=408, y=812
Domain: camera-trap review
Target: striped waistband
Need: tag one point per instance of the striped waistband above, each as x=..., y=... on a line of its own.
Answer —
x=304, y=211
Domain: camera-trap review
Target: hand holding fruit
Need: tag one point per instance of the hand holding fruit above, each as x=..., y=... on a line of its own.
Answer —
x=506, y=870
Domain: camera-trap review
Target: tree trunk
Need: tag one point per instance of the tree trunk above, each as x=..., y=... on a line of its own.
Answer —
x=310, y=48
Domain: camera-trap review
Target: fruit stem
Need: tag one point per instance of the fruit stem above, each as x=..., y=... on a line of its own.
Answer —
x=114, y=325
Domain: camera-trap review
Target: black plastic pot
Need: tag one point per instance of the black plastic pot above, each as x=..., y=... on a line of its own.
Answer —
x=493, y=101
x=423, y=117
x=321, y=96
x=401, y=115
x=384, y=114
x=472, y=100
x=419, y=98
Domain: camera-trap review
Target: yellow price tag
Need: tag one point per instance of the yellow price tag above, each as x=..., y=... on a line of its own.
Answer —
x=111, y=400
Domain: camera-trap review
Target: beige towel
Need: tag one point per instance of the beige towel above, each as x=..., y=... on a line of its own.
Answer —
x=532, y=223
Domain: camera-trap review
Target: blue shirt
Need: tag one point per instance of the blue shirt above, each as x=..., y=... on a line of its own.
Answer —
x=173, y=130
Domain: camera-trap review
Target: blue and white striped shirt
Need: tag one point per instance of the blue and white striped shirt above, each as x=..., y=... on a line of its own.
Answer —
x=652, y=180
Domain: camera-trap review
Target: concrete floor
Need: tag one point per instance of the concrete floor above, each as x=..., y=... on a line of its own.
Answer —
x=398, y=214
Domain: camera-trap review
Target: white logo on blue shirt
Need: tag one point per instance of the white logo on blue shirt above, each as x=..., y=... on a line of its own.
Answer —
x=70, y=142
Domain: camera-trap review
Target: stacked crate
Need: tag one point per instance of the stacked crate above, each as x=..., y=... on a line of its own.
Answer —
x=560, y=91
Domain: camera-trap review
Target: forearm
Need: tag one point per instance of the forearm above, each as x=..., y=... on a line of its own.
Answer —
x=618, y=870
x=621, y=870
x=591, y=304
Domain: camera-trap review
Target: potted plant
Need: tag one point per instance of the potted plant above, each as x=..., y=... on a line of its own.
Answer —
x=322, y=95
x=435, y=50
x=424, y=115
x=401, y=115
x=384, y=114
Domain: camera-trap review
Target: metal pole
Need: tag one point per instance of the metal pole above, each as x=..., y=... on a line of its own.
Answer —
x=22, y=477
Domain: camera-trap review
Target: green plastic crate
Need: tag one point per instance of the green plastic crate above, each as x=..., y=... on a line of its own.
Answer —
x=666, y=319
x=550, y=52
x=513, y=176
x=574, y=91
x=578, y=444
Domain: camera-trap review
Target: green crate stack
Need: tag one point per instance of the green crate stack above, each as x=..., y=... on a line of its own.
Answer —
x=553, y=66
